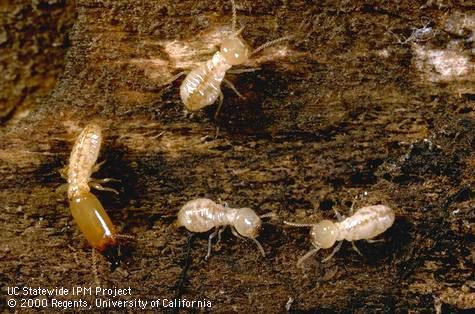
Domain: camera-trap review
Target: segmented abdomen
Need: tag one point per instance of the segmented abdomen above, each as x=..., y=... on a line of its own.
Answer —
x=201, y=215
x=201, y=86
x=83, y=157
x=366, y=223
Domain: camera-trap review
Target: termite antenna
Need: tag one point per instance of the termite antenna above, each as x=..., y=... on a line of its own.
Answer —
x=425, y=21
x=125, y=236
x=270, y=43
x=259, y=246
x=336, y=249
x=63, y=172
x=297, y=224
x=309, y=254
x=94, y=267
x=239, y=31
x=233, y=5
x=268, y=215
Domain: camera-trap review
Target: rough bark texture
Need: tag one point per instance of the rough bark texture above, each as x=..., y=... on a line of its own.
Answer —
x=33, y=40
x=372, y=100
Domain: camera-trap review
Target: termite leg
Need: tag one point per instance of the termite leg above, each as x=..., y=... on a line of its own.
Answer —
x=234, y=89
x=216, y=134
x=105, y=180
x=220, y=104
x=187, y=113
x=425, y=21
x=235, y=233
x=259, y=246
x=356, y=248
x=339, y=217
x=99, y=187
x=307, y=255
x=98, y=166
x=375, y=241
x=64, y=172
x=174, y=78
x=352, y=208
x=219, y=234
x=240, y=71
x=336, y=249
x=225, y=204
x=211, y=236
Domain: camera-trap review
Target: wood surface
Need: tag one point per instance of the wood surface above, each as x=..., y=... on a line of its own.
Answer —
x=372, y=100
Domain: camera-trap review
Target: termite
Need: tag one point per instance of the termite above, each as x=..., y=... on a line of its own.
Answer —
x=202, y=86
x=202, y=214
x=367, y=223
x=422, y=34
x=87, y=211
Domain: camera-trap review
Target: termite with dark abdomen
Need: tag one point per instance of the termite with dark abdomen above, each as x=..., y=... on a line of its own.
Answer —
x=202, y=214
x=367, y=223
x=86, y=209
x=202, y=86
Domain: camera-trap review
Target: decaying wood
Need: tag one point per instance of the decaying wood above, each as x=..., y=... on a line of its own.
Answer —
x=359, y=103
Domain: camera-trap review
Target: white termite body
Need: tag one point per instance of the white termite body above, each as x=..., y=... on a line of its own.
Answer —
x=83, y=159
x=367, y=223
x=202, y=214
x=202, y=86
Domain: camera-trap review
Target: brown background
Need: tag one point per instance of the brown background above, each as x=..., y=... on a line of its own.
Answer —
x=352, y=106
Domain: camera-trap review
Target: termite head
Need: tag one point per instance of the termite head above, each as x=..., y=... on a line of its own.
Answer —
x=235, y=50
x=247, y=223
x=324, y=234
x=93, y=221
